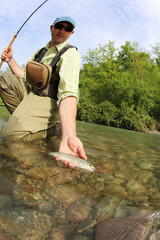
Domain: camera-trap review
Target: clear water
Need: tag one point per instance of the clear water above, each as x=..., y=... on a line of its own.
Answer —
x=42, y=201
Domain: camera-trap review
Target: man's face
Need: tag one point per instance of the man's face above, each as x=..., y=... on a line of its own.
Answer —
x=60, y=35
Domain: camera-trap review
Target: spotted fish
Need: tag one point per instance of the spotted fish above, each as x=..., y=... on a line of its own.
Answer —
x=78, y=162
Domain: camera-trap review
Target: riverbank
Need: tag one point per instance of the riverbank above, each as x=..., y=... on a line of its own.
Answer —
x=155, y=132
x=4, y=115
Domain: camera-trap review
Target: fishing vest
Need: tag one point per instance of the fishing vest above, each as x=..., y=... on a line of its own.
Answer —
x=52, y=89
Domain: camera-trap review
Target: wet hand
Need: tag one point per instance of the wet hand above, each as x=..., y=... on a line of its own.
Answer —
x=72, y=145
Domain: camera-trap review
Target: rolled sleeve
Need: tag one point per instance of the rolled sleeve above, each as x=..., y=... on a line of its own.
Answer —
x=23, y=76
x=69, y=67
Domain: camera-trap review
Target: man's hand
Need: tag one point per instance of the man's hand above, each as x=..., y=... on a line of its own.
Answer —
x=7, y=54
x=73, y=146
x=70, y=143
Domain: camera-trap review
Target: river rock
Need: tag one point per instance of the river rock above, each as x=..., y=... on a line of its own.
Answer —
x=116, y=190
x=86, y=224
x=2, y=234
x=57, y=236
x=25, y=224
x=95, y=213
x=62, y=178
x=99, y=186
x=6, y=185
x=77, y=212
x=81, y=237
x=155, y=203
x=43, y=173
x=135, y=187
x=94, y=194
x=5, y=202
x=108, y=204
x=64, y=194
x=145, y=165
x=103, y=168
x=134, y=227
x=82, y=188
x=60, y=234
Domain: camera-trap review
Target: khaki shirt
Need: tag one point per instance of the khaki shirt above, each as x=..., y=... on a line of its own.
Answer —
x=68, y=68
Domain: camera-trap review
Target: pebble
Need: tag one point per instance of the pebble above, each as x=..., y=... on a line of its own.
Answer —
x=77, y=212
x=63, y=194
x=6, y=185
x=60, y=234
x=87, y=224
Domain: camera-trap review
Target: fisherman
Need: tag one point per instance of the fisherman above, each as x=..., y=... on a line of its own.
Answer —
x=35, y=116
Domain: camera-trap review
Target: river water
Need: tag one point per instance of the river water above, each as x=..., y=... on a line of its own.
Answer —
x=119, y=201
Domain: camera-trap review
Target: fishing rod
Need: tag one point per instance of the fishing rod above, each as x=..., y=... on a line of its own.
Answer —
x=21, y=28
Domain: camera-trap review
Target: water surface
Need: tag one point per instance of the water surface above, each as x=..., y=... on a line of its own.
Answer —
x=119, y=201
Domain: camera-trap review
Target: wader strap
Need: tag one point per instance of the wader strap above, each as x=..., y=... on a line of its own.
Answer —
x=52, y=90
x=40, y=54
x=58, y=55
x=42, y=51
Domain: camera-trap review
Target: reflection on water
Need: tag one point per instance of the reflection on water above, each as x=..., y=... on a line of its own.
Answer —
x=119, y=201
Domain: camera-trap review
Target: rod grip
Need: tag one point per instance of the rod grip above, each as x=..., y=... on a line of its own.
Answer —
x=9, y=47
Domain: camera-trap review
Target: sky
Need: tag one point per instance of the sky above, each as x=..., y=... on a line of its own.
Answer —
x=97, y=22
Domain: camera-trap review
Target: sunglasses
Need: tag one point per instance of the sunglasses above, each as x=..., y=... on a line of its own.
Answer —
x=61, y=26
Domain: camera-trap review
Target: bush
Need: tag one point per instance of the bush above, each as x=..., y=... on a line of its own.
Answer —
x=1, y=102
x=105, y=113
x=129, y=119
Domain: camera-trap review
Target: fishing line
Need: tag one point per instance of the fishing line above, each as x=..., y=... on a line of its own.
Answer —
x=22, y=27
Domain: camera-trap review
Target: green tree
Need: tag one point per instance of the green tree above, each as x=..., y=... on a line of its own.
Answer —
x=125, y=78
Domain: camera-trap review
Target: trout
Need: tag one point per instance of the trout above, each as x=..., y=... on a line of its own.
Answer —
x=78, y=162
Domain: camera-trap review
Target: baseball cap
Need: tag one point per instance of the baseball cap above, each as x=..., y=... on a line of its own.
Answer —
x=65, y=19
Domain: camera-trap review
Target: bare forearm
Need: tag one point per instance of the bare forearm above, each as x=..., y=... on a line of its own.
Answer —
x=70, y=143
x=7, y=56
x=67, y=113
x=15, y=68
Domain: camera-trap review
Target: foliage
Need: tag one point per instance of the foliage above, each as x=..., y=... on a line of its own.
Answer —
x=1, y=103
x=120, y=87
x=103, y=113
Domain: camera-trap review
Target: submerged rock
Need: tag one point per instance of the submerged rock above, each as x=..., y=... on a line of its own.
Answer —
x=135, y=187
x=5, y=202
x=77, y=212
x=108, y=204
x=2, y=234
x=43, y=173
x=87, y=224
x=25, y=224
x=116, y=190
x=6, y=185
x=64, y=194
x=81, y=237
x=60, y=234
x=62, y=178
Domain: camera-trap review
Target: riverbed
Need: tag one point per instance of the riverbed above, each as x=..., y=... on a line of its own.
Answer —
x=120, y=200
